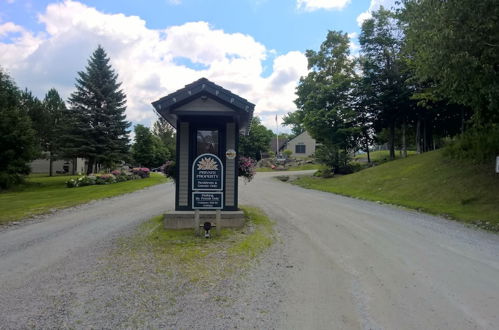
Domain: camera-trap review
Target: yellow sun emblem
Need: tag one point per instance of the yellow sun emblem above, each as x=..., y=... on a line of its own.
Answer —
x=207, y=164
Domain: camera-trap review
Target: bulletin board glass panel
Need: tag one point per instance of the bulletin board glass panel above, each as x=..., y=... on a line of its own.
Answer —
x=207, y=142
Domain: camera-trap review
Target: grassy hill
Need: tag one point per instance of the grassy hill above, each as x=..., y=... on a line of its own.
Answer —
x=428, y=182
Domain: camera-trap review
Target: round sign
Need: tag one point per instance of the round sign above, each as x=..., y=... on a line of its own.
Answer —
x=230, y=154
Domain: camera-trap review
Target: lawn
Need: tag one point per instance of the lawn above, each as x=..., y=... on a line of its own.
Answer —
x=197, y=259
x=428, y=182
x=380, y=156
x=41, y=194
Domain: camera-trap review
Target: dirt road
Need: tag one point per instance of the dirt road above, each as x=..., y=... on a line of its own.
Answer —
x=340, y=263
x=358, y=264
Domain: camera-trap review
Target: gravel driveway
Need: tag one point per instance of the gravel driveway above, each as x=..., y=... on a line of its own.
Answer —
x=339, y=263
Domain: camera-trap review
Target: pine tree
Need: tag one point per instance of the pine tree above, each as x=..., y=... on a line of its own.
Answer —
x=98, y=127
x=55, y=110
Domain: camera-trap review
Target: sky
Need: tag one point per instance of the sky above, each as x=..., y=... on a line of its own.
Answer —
x=254, y=48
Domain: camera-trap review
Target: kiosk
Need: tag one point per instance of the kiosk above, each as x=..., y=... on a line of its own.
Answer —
x=208, y=120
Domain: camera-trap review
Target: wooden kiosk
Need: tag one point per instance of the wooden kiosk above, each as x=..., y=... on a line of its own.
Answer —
x=209, y=120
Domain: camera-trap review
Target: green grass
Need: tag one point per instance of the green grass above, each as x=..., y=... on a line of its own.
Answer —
x=41, y=194
x=381, y=156
x=428, y=182
x=195, y=258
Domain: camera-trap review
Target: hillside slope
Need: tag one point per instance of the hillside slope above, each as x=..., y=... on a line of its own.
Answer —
x=428, y=182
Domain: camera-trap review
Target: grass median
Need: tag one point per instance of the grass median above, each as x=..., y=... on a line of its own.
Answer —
x=195, y=259
x=42, y=194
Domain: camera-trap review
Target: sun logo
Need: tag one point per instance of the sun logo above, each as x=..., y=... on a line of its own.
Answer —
x=207, y=164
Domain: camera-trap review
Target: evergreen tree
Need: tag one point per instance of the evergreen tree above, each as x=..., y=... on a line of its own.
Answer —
x=18, y=144
x=98, y=127
x=32, y=106
x=55, y=112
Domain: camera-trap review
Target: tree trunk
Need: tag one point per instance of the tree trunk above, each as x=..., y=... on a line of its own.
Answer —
x=418, y=136
x=90, y=166
x=367, y=150
x=425, y=137
x=404, y=146
x=51, y=164
x=392, y=140
x=462, y=120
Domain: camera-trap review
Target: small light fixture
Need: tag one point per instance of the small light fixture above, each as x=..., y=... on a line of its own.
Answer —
x=204, y=98
x=207, y=226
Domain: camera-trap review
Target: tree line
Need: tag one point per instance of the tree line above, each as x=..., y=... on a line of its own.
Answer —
x=426, y=76
x=93, y=126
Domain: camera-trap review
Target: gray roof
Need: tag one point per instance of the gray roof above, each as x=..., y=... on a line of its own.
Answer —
x=243, y=110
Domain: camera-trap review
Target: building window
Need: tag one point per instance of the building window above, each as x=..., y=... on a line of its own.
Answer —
x=300, y=149
x=207, y=142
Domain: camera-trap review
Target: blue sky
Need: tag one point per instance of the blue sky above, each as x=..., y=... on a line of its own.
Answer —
x=253, y=47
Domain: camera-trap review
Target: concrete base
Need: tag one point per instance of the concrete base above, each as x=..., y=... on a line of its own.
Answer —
x=185, y=219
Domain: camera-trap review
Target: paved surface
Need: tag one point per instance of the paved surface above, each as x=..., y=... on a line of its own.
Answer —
x=358, y=264
x=341, y=264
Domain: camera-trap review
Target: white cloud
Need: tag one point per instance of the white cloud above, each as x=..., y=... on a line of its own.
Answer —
x=363, y=17
x=311, y=5
x=375, y=5
x=354, y=46
x=150, y=63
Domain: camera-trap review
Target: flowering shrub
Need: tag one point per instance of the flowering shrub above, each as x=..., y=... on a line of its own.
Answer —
x=105, y=179
x=247, y=167
x=108, y=178
x=143, y=172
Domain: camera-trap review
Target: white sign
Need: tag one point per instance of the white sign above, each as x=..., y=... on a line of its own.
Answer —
x=230, y=154
x=497, y=164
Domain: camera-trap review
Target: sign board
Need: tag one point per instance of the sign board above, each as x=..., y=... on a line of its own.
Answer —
x=207, y=200
x=230, y=154
x=497, y=164
x=207, y=173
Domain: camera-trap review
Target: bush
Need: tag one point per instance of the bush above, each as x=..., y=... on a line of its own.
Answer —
x=479, y=146
x=105, y=179
x=325, y=173
x=247, y=168
x=334, y=158
x=287, y=153
x=142, y=172
x=169, y=169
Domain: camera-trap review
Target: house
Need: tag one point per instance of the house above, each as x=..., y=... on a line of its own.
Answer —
x=302, y=145
x=71, y=166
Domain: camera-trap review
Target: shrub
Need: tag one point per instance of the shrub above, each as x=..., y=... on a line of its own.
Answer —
x=169, y=168
x=105, y=179
x=479, y=146
x=142, y=172
x=247, y=168
x=287, y=153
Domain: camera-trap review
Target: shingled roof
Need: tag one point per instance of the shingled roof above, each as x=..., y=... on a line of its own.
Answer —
x=243, y=110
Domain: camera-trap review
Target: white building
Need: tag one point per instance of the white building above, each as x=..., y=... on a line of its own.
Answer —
x=302, y=145
x=72, y=166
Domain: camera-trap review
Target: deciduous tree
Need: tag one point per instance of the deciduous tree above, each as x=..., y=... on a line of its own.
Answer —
x=257, y=141
x=18, y=143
